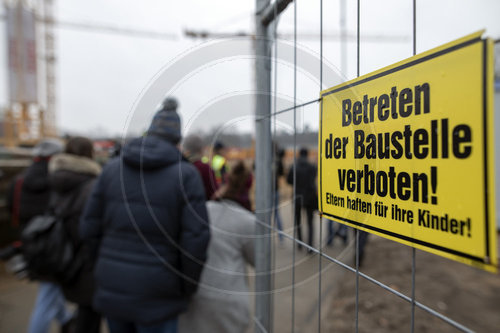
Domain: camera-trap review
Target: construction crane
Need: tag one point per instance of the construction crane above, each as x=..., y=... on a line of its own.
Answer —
x=28, y=118
x=49, y=115
x=27, y=121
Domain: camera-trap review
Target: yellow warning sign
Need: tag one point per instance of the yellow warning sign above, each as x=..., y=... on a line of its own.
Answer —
x=406, y=152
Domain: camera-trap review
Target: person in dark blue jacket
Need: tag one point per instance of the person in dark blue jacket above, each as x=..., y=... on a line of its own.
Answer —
x=147, y=213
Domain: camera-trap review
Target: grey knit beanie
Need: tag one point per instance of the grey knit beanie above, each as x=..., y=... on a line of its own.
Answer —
x=166, y=122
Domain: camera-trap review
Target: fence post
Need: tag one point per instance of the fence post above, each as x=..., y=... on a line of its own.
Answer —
x=263, y=175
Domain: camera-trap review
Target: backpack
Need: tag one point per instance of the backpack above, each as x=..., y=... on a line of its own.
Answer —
x=48, y=249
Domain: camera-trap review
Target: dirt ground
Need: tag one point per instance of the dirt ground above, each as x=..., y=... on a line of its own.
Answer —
x=465, y=294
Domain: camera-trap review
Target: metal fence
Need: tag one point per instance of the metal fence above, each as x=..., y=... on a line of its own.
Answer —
x=266, y=55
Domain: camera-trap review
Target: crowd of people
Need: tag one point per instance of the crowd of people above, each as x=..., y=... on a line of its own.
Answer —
x=159, y=238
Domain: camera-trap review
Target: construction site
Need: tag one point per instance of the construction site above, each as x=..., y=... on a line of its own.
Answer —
x=391, y=243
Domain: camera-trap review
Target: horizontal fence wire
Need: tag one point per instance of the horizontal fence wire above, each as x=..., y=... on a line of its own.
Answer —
x=288, y=109
x=369, y=278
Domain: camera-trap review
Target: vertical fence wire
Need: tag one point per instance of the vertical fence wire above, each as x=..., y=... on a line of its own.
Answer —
x=413, y=251
x=358, y=37
x=356, y=245
x=275, y=178
x=413, y=271
x=356, y=230
x=320, y=257
x=294, y=156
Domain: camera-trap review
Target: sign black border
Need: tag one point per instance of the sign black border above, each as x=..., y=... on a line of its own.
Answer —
x=485, y=153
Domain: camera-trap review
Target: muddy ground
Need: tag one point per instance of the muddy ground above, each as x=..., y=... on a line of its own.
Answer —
x=467, y=295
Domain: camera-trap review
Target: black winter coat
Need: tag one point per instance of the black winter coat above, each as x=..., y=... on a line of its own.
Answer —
x=305, y=190
x=148, y=212
x=71, y=178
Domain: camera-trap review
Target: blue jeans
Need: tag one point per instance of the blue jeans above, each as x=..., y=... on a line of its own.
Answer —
x=277, y=217
x=49, y=305
x=117, y=326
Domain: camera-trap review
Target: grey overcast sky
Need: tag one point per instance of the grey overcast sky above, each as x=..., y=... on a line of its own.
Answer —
x=101, y=75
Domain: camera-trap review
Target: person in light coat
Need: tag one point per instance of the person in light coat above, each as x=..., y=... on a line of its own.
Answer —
x=222, y=302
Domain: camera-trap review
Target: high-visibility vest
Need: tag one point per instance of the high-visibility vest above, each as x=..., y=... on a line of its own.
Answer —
x=218, y=162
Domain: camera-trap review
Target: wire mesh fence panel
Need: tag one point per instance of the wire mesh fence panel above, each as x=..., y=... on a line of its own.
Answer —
x=309, y=257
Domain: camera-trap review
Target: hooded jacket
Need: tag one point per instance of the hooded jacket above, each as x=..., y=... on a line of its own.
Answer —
x=29, y=193
x=71, y=179
x=148, y=213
